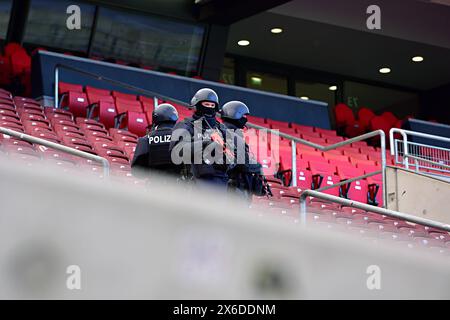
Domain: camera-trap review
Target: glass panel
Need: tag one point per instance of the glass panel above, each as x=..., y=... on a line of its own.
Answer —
x=148, y=40
x=46, y=25
x=267, y=82
x=379, y=99
x=228, y=71
x=316, y=91
x=5, y=11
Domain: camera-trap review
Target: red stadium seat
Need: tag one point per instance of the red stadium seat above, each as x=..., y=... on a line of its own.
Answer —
x=364, y=116
x=76, y=102
x=390, y=118
x=96, y=91
x=107, y=114
x=137, y=123
x=124, y=96
x=344, y=115
x=64, y=87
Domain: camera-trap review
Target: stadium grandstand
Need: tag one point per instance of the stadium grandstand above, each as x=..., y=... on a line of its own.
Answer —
x=349, y=119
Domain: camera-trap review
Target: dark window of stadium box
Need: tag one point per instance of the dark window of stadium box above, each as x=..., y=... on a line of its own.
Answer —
x=147, y=40
x=379, y=99
x=46, y=25
x=5, y=10
x=267, y=82
x=316, y=91
x=228, y=71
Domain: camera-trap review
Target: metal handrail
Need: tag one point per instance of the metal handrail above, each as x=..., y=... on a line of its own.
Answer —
x=293, y=139
x=59, y=147
x=366, y=207
x=332, y=147
x=405, y=134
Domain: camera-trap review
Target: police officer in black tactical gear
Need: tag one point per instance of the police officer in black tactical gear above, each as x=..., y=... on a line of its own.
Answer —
x=152, y=151
x=203, y=132
x=245, y=178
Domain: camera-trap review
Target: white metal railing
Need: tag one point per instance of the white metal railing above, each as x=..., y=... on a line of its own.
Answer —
x=365, y=136
x=56, y=146
x=420, y=156
x=359, y=205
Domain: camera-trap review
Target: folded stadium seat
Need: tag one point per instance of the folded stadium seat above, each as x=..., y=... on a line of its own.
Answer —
x=126, y=145
x=12, y=125
x=356, y=162
x=137, y=123
x=37, y=122
x=319, y=141
x=335, y=158
x=89, y=124
x=148, y=104
x=8, y=101
x=364, y=116
x=110, y=153
x=81, y=148
x=302, y=128
x=10, y=116
x=257, y=120
x=96, y=91
x=69, y=127
x=124, y=96
x=326, y=132
x=375, y=190
x=96, y=132
x=95, y=96
x=302, y=148
x=336, y=152
x=22, y=149
x=65, y=87
x=289, y=131
x=276, y=124
x=356, y=190
x=32, y=116
x=390, y=118
x=67, y=140
x=71, y=134
x=5, y=94
x=107, y=113
x=108, y=145
x=304, y=175
x=323, y=174
x=58, y=113
x=10, y=112
x=358, y=156
x=96, y=138
x=333, y=140
x=123, y=107
x=120, y=132
x=46, y=135
x=76, y=102
x=49, y=153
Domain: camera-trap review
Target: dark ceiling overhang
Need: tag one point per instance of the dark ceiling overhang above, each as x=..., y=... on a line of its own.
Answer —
x=226, y=12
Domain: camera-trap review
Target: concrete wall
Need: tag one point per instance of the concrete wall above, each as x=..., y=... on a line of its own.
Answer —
x=418, y=194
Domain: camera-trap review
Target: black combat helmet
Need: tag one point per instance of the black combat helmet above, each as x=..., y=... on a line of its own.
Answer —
x=203, y=95
x=164, y=112
x=235, y=112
